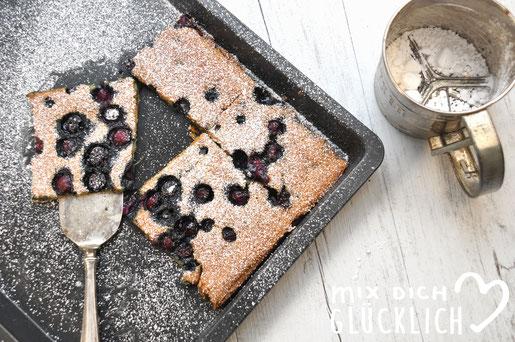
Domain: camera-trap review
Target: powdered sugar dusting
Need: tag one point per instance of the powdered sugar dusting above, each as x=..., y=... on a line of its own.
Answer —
x=140, y=296
x=45, y=164
x=41, y=270
x=448, y=54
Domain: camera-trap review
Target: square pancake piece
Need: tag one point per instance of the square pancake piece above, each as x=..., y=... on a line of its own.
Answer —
x=84, y=139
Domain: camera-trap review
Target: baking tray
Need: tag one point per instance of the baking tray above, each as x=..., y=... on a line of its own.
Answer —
x=362, y=147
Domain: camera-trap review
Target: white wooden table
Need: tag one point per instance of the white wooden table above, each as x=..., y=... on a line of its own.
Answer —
x=411, y=225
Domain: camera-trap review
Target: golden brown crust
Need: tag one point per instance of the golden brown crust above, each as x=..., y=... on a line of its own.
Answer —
x=307, y=170
x=226, y=265
x=182, y=64
x=258, y=225
x=46, y=164
x=308, y=166
x=181, y=164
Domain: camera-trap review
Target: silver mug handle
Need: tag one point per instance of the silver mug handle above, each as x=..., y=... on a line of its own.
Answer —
x=475, y=152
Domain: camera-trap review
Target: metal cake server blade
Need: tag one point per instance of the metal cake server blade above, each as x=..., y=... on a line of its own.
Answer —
x=89, y=221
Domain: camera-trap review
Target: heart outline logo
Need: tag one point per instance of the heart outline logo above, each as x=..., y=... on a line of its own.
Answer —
x=484, y=288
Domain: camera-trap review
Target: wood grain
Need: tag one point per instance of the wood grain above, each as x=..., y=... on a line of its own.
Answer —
x=410, y=225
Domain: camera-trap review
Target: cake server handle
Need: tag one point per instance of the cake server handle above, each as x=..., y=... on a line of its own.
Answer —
x=89, y=316
x=477, y=156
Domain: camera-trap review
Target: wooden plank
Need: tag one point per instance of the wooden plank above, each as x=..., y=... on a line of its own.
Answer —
x=249, y=12
x=441, y=231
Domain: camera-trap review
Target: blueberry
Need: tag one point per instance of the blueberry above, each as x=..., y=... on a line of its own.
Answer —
x=95, y=181
x=238, y=195
x=103, y=93
x=203, y=193
x=63, y=182
x=187, y=226
x=182, y=106
x=120, y=136
x=191, y=230
x=73, y=123
x=66, y=147
x=263, y=96
x=152, y=200
x=276, y=127
x=96, y=155
x=38, y=145
x=183, y=21
x=190, y=264
x=187, y=21
x=279, y=198
x=49, y=102
x=203, y=150
x=255, y=162
x=258, y=169
x=184, y=251
x=167, y=242
x=128, y=177
x=206, y=225
x=240, y=159
x=261, y=175
x=240, y=119
x=273, y=151
x=129, y=203
x=111, y=113
x=169, y=186
x=211, y=94
x=229, y=234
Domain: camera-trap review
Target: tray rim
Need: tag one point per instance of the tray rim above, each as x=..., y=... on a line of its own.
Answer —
x=18, y=323
x=341, y=192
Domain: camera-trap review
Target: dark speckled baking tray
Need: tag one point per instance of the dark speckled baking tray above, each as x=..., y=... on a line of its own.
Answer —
x=363, y=148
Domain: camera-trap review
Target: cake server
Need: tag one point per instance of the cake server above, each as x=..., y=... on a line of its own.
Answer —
x=89, y=221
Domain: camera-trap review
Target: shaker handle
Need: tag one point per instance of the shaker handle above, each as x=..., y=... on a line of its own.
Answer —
x=476, y=154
